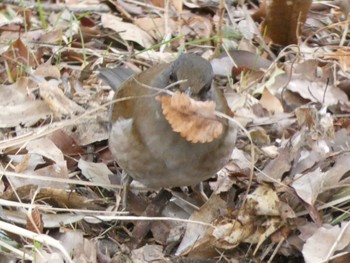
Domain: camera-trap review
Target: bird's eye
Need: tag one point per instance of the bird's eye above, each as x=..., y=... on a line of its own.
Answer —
x=206, y=87
x=205, y=93
x=173, y=77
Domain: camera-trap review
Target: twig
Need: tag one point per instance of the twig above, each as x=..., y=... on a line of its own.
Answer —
x=101, y=8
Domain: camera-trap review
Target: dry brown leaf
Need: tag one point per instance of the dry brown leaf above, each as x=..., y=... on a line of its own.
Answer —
x=197, y=236
x=17, y=55
x=46, y=70
x=127, y=31
x=194, y=120
x=271, y=102
x=43, y=159
x=264, y=201
x=57, y=101
x=320, y=87
x=26, y=112
x=155, y=26
x=228, y=235
x=259, y=136
x=52, y=37
x=306, y=116
x=251, y=225
x=159, y=3
x=275, y=168
x=66, y=199
x=342, y=55
x=196, y=26
x=23, y=164
x=236, y=60
x=223, y=182
x=67, y=145
x=178, y=4
x=35, y=221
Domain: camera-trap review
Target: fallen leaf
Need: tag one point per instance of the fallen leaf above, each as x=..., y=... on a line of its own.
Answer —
x=95, y=172
x=325, y=242
x=271, y=102
x=82, y=249
x=264, y=201
x=148, y=253
x=308, y=186
x=195, y=233
x=156, y=26
x=194, y=120
x=342, y=55
x=19, y=106
x=127, y=31
x=56, y=99
x=35, y=221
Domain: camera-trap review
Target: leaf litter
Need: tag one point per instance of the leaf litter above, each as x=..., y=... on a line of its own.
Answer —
x=288, y=89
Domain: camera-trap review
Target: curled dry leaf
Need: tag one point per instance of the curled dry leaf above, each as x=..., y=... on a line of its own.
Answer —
x=194, y=120
x=35, y=221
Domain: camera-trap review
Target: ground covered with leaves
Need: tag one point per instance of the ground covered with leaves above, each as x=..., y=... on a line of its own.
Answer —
x=284, y=69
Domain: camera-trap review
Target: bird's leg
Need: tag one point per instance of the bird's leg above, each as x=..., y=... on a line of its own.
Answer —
x=199, y=190
x=126, y=181
x=154, y=209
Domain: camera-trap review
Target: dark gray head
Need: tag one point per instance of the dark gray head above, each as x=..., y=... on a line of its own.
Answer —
x=196, y=70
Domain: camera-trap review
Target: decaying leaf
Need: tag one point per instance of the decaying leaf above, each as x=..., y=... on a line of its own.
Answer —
x=194, y=120
x=228, y=235
x=264, y=201
x=196, y=235
x=255, y=222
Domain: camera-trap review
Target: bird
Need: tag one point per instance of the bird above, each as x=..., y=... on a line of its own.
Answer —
x=143, y=142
